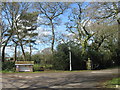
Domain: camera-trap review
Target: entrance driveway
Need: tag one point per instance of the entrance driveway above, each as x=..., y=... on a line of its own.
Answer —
x=84, y=79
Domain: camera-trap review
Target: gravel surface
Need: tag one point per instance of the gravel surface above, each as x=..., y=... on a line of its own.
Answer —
x=84, y=79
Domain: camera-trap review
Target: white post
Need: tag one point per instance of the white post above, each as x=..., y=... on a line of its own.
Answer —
x=70, y=59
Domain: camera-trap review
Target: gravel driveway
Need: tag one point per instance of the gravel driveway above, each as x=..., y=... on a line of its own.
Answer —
x=84, y=79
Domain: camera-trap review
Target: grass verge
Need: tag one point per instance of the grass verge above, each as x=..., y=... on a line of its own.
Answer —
x=114, y=83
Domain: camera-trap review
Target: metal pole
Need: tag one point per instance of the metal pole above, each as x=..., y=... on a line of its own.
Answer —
x=70, y=59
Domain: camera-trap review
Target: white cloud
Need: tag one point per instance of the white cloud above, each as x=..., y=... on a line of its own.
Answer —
x=9, y=50
x=38, y=41
x=43, y=32
x=70, y=34
x=39, y=19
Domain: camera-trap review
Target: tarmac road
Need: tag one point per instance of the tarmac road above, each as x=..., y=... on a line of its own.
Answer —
x=84, y=79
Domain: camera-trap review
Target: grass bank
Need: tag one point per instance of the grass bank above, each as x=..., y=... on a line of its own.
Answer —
x=114, y=83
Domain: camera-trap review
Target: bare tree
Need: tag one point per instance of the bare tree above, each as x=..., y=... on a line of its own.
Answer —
x=107, y=13
x=78, y=21
x=50, y=13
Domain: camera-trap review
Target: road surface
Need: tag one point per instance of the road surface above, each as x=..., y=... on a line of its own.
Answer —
x=83, y=79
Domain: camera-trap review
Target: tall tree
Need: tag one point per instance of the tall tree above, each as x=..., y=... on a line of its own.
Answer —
x=20, y=22
x=10, y=12
x=26, y=29
x=103, y=32
x=15, y=50
x=78, y=21
x=50, y=13
x=108, y=13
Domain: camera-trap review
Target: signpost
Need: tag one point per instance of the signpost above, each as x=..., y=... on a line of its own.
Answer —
x=70, y=58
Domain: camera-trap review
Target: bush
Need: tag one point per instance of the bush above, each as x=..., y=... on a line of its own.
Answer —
x=8, y=66
x=36, y=67
x=39, y=67
x=48, y=66
x=112, y=83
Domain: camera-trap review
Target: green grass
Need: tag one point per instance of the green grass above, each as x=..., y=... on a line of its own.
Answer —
x=112, y=83
x=6, y=71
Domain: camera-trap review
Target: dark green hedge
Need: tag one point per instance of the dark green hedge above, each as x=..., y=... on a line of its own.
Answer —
x=9, y=66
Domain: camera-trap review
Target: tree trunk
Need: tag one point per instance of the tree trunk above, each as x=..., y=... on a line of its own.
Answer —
x=3, y=50
x=21, y=45
x=53, y=36
x=3, y=53
x=118, y=32
x=15, y=57
x=22, y=51
x=118, y=21
x=30, y=51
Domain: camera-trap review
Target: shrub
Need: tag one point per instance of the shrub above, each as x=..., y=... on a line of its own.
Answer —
x=39, y=67
x=36, y=67
x=8, y=66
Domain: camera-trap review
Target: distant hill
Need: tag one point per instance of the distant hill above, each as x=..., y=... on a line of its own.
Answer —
x=46, y=51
